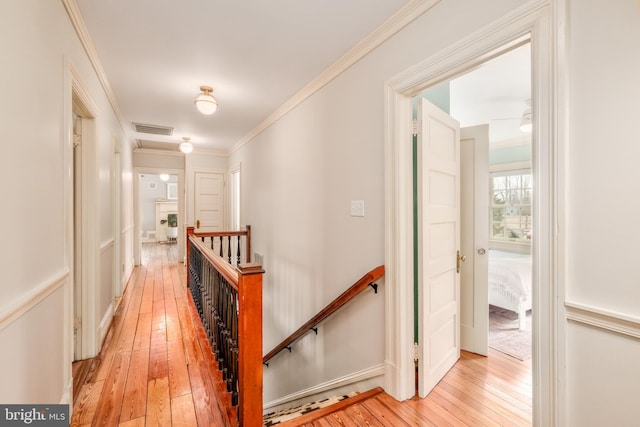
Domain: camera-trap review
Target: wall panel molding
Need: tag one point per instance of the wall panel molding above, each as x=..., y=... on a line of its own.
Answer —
x=29, y=300
x=603, y=319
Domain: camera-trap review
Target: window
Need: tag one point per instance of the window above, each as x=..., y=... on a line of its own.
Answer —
x=511, y=197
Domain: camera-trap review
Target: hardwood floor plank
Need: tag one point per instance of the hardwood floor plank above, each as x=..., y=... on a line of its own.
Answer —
x=110, y=403
x=361, y=416
x=203, y=395
x=158, y=403
x=407, y=412
x=138, y=422
x=87, y=402
x=135, y=392
x=179, y=383
x=383, y=414
x=183, y=412
x=142, y=337
x=158, y=361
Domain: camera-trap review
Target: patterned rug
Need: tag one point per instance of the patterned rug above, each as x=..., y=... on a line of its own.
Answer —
x=505, y=336
x=278, y=417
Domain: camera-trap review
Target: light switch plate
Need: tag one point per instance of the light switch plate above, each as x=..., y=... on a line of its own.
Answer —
x=357, y=208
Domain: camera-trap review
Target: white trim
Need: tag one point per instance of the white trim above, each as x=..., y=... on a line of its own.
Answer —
x=396, y=22
x=128, y=228
x=105, y=322
x=532, y=22
x=73, y=11
x=347, y=380
x=513, y=166
x=158, y=152
x=107, y=245
x=67, y=396
x=603, y=319
x=15, y=309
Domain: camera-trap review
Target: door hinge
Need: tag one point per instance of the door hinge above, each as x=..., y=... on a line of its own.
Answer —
x=416, y=350
x=76, y=324
x=416, y=127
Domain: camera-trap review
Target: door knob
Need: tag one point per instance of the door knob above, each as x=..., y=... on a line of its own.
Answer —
x=198, y=224
x=482, y=251
x=461, y=259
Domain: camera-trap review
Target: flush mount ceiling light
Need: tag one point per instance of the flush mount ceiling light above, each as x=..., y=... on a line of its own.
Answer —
x=205, y=102
x=186, y=147
x=164, y=176
x=526, y=124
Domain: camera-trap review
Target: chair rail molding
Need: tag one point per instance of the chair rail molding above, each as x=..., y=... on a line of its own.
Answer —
x=606, y=320
x=12, y=311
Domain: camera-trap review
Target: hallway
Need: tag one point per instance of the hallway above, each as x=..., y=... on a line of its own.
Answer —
x=152, y=369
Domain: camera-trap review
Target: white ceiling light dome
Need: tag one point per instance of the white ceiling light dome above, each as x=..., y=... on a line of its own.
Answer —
x=205, y=102
x=186, y=147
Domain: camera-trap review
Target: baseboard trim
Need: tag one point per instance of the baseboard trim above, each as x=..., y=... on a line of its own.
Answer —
x=603, y=319
x=356, y=377
x=16, y=309
x=105, y=322
x=66, y=394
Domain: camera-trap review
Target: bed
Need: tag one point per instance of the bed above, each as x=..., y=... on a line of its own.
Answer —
x=510, y=282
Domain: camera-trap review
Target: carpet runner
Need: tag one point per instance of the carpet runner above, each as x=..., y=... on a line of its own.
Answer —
x=278, y=417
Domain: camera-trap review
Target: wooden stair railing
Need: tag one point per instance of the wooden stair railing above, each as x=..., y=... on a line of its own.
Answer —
x=358, y=287
x=229, y=301
x=232, y=249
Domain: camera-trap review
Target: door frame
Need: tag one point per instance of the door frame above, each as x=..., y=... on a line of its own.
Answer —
x=78, y=100
x=531, y=23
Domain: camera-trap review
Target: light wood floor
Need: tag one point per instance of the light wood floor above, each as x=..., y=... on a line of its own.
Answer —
x=154, y=370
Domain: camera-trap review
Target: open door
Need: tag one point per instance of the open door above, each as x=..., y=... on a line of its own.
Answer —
x=438, y=245
x=474, y=226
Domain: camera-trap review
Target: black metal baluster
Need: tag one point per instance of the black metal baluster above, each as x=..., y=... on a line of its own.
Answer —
x=229, y=248
x=238, y=251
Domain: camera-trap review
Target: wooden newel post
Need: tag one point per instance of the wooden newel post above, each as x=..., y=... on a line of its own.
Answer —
x=187, y=261
x=250, y=345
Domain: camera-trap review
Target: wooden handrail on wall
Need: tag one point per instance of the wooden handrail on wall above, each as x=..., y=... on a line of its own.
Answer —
x=362, y=284
x=210, y=281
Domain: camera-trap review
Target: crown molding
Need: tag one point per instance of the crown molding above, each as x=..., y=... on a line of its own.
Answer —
x=73, y=11
x=403, y=17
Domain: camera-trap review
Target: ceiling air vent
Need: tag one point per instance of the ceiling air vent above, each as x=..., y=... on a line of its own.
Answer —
x=152, y=129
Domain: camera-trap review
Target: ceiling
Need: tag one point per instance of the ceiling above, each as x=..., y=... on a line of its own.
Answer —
x=495, y=94
x=256, y=55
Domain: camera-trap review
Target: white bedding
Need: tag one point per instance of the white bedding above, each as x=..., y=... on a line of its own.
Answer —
x=510, y=282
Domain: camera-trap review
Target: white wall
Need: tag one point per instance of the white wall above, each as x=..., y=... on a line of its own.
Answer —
x=299, y=177
x=35, y=307
x=602, y=199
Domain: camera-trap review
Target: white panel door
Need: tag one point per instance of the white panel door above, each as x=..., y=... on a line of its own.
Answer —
x=474, y=232
x=438, y=245
x=209, y=201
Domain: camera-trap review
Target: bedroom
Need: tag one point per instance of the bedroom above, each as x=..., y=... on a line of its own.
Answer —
x=496, y=96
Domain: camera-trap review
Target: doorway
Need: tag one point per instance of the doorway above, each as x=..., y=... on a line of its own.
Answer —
x=491, y=239
x=159, y=192
x=528, y=25
x=84, y=255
